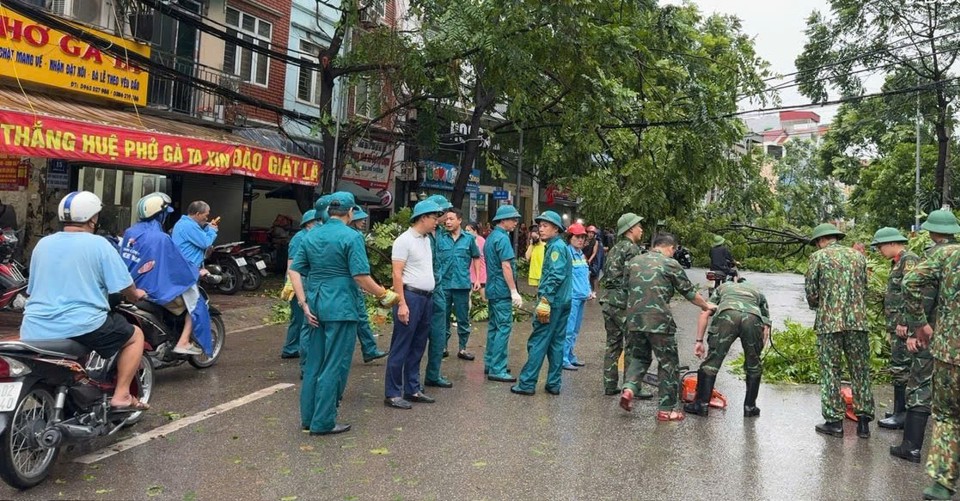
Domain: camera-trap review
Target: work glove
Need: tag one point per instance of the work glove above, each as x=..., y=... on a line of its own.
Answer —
x=389, y=298
x=516, y=299
x=286, y=293
x=543, y=311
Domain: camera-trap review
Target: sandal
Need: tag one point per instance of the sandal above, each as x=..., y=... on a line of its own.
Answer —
x=134, y=406
x=670, y=416
x=626, y=400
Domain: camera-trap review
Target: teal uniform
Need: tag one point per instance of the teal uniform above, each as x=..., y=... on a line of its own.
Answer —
x=455, y=257
x=368, y=342
x=497, y=250
x=437, y=341
x=330, y=257
x=291, y=346
x=556, y=285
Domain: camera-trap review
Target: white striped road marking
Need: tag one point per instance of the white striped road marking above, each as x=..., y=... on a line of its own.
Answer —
x=178, y=424
x=251, y=328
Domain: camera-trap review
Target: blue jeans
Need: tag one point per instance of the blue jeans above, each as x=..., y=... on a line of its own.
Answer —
x=407, y=345
x=573, y=330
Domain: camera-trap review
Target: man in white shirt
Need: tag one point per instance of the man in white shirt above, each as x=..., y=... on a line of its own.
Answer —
x=413, y=275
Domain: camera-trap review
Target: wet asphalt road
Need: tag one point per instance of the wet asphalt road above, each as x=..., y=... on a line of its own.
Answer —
x=479, y=441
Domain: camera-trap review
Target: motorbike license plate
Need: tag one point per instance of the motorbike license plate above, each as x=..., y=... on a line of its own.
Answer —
x=9, y=393
x=241, y=261
x=261, y=265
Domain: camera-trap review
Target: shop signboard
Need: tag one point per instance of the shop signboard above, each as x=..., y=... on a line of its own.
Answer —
x=49, y=57
x=442, y=176
x=501, y=195
x=369, y=164
x=58, y=175
x=13, y=173
x=24, y=134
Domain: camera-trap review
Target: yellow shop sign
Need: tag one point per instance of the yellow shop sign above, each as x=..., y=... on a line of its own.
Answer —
x=32, y=52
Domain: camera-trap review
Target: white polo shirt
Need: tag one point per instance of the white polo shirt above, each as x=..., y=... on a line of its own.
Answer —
x=414, y=250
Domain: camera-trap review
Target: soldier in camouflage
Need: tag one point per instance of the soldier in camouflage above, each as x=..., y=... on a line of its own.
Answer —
x=836, y=285
x=742, y=312
x=652, y=281
x=614, y=300
x=940, y=270
x=891, y=244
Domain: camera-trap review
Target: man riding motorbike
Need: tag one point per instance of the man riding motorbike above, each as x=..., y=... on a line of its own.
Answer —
x=158, y=267
x=721, y=259
x=71, y=274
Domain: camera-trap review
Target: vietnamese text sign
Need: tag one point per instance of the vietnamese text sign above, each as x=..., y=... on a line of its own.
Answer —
x=49, y=57
x=13, y=172
x=369, y=164
x=51, y=137
x=442, y=176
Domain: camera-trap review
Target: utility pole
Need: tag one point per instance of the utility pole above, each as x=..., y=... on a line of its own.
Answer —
x=916, y=195
x=516, y=196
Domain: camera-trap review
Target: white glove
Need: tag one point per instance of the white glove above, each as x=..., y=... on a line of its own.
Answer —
x=516, y=299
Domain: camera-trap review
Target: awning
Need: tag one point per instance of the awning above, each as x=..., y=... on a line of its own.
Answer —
x=46, y=126
x=362, y=195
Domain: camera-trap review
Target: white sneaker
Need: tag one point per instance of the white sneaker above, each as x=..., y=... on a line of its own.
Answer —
x=192, y=350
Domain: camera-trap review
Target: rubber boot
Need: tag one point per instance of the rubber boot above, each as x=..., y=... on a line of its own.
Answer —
x=914, y=429
x=701, y=406
x=895, y=420
x=750, y=408
x=863, y=426
x=937, y=491
x=833, y=428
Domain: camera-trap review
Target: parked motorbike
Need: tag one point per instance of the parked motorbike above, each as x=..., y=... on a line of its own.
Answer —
x=240, y=267
x=161, y=330
x=13, y=283
x=55, y=393
x=683, y=256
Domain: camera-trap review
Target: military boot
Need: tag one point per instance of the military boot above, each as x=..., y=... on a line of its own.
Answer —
x=895, y=420
x=834, y=428
x=701, y=406
x=750, y=408
x=863, y=426
x=914, y=429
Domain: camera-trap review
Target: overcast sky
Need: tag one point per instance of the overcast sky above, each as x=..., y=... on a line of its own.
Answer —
x=778, y=28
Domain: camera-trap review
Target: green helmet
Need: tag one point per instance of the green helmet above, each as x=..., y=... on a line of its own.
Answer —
x=887, y=235
x=552, y=218
x=941, y=221
x=627, y=221
x=718, y=241
x=825, y=230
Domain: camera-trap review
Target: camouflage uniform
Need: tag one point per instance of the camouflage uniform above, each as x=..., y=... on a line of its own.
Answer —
x=652, y=281
x=893, y=311
x=941, y=270
x=742, y=312
x=836, y=285
x=614, y=282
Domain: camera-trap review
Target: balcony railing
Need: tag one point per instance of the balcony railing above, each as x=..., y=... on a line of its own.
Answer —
x=167, y=94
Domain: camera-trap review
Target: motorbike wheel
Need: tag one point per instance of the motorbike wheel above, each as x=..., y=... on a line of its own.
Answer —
x=23, y=462
x=252, y=280
x=145, y=383
x=219, y=334
x=232, y=278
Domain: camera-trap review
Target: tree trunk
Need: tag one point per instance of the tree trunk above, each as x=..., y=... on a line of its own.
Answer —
x=483, y=100
x=943, y=141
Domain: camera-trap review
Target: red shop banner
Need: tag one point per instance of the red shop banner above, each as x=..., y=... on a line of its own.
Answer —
x=51, y=137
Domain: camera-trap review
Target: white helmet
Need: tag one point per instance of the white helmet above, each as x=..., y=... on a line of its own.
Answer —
x=79, y=207
x=153, y=204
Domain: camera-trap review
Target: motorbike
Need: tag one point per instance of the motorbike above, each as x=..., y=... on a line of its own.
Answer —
x=56, y=393
x=718, y=277
x=241, y=267
x=13, y=283
x=161, y=330
x=683, y=256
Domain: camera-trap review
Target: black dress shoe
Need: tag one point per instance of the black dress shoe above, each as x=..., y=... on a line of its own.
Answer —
x=465, y=355
x=377, y=355
x=398, y=403
x=419, y=398
x=553, y=391
x=501, y=379
x=520, y=391
x=340, y=428
x=579, y=364
x=286, y=356
x=440, y=383
x=833, y=428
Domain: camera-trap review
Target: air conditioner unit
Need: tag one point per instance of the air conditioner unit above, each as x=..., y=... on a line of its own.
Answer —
x=85, y=11
x=374, y=12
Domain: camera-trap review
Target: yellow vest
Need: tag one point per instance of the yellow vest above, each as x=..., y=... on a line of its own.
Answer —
x=536, y=263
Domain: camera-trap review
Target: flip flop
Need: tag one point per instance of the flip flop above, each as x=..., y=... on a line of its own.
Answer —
x=134, y=406
x=670, y=416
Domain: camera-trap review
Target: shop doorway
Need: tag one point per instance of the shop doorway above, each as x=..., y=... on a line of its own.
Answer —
x=120, y=190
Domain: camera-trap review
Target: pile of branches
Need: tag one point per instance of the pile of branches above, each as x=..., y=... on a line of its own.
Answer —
x=786, y=242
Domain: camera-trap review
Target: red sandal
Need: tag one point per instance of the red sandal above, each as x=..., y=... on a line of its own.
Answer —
x=670, y=416
x=626, y=399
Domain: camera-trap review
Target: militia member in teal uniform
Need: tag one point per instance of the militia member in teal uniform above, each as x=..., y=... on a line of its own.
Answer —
x=501, y=292
x=742, y=312
x=457, y=253
x=940, y=271
x=553, y=310
x=653, y=279
x=334, y=260
x=836, y=286
x=291, y=347
x=439, y=324
x=891, y=244
x=368, y=342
